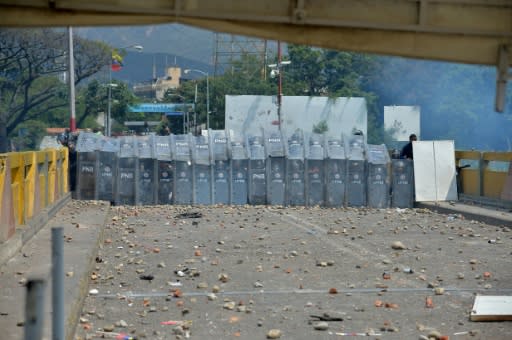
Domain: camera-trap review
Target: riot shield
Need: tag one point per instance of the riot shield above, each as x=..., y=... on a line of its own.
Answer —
x=126, y=171
x=87, y=168
x=202, y=171
x=295, y=185
x=336, y=172
x=378, y=176
x=315, y=170
x=146, y=171
x=239, y=170
x=165, y=175
x=221, y=180
x=276, y=168
x=403, y=183
x=181, y=154
x=356, y=183
x=107, y=160
x=257, y=171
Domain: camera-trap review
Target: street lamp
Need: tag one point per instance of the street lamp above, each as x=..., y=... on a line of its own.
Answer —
x=207, y=95
x=108, y=126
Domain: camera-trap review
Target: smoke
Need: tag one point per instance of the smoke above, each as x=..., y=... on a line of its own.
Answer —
x=456, y=100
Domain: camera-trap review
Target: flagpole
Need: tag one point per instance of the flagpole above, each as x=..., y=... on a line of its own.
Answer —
x=118, y=61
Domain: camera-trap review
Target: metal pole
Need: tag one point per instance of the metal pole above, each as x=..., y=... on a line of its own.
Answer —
x=34, y=309
x=207, y=104
x=195, y=112
x=280, y=83
x=71, y=77
x=109, y=104
x=57, y=284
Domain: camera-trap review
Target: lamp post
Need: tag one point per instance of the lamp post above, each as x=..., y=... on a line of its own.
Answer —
x=108, y=125
x=207, y=95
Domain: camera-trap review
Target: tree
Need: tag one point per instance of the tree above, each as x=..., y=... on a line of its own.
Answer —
x=30, y=62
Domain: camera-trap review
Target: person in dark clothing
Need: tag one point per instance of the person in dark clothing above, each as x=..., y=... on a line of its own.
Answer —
x=72, y=166
x=407, y=149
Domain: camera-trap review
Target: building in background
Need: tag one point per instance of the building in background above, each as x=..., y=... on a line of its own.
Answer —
x=156, y=88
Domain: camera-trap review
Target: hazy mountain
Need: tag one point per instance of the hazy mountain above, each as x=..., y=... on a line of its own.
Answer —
x=169, y=44
x=173, y=39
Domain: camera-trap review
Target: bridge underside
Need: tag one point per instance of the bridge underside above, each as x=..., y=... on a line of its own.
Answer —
x=465, y=31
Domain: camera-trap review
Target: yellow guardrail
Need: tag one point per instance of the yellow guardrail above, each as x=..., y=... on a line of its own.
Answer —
x=487, y=175
x=29, y=182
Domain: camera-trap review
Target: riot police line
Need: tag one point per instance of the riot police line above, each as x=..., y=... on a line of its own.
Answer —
x=271, y=167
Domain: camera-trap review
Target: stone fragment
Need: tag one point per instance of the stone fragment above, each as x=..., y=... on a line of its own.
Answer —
x=108, y=328
x=229, y=305
x=439, y=290
x=223, y=277
x=274, y=334
x=321, y=326
x=397, y=245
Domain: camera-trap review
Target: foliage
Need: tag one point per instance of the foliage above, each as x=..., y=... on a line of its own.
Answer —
x=28, y=135
x=30, y=62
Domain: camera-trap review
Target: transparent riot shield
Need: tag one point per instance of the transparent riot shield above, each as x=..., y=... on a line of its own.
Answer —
x=378, y=176
x=202, y=171
x=220, y=159
x=145, y=193
x=86, y=167
x=107, y=160
x=336, y=173
x=126, y=171
x=182, y=160
x=257, y=171
x=165, y=170
x=276, y=168
x=295, y=183
x=315, y=170
x=239, y=170
x=402, y=183
x=356, y=183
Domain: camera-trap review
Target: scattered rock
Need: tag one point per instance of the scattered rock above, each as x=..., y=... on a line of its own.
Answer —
x=229, y=305
x=223, y=277
x=321, y=326
x=397, y=245
x=108, y=328
x=439, y=291
x=274, y=334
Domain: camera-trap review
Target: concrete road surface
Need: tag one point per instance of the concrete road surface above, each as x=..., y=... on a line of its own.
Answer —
x=174, y=272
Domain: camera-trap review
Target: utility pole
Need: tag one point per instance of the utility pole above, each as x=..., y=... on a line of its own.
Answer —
x=71, y=77
x=280, y=84
x=276, y=70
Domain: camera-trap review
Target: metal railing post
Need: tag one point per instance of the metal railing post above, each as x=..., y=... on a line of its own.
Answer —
x=57, y=284
x=34, y=309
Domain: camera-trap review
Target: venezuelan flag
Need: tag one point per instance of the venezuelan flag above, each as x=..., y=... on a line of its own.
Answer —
x=117, y=61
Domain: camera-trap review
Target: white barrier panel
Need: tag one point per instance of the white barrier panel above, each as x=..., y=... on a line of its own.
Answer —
x=434, y=171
